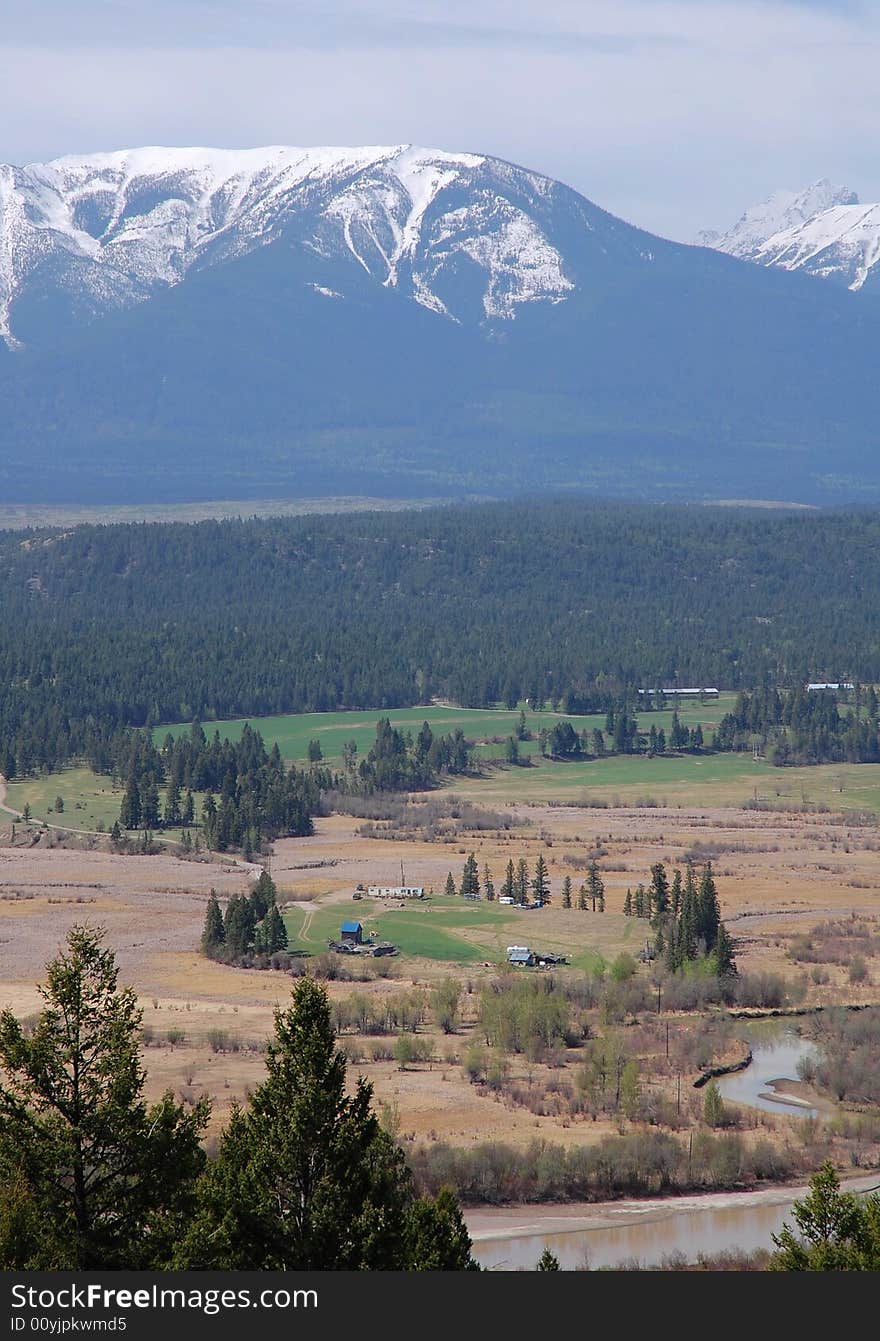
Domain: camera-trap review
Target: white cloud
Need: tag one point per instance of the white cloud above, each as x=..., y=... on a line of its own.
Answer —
x=675, y=115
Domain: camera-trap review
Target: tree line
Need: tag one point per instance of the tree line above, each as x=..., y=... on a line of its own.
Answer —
x=132, y=625
x=522, y=888
x=805, y=726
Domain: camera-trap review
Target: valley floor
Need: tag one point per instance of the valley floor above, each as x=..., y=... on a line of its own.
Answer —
x=779, y=875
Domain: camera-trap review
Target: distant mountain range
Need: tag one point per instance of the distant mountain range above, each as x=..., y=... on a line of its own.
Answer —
x=824, y=231
x=203, y=323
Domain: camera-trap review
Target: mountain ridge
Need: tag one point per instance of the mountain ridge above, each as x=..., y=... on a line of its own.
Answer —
x=403, y=322
x=116, y=226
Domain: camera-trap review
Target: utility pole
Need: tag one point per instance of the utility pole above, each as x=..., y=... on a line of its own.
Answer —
x=667, y=1040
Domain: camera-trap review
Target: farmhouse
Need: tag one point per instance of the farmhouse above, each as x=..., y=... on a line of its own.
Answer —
x=396, y=891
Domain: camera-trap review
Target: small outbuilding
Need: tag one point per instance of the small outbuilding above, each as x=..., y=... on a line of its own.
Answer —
x=352, y=933
x=521, y=956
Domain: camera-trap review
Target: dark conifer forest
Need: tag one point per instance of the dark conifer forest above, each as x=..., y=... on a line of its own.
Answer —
x=568, y=603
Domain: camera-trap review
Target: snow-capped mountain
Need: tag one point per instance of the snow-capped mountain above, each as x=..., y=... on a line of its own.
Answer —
x=205, y=323
x=109, y=230
x=824, y=231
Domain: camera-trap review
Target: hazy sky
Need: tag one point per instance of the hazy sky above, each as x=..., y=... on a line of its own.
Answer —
x=675, y=114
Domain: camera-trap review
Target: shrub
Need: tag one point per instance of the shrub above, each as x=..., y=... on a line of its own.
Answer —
x=858, y=970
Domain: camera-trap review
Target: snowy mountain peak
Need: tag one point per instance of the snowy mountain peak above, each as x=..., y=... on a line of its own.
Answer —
x=782, y=210
x=824, y=231
x=107, y=230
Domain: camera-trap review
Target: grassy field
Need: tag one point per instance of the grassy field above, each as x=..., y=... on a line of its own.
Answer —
x=452, y=931
x=687, y=780
x=16, y=516
x=489, y=727
x=89, y=800
x=438, y=928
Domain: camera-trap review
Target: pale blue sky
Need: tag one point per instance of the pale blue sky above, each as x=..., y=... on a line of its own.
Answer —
x=675, y=114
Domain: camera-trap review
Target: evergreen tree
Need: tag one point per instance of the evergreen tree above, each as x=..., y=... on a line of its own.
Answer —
x=470, y=879
x=671, y=954
x=101, y=1179
x=708, y=915
x=189, y=809
x=209, y=819
x=639, y=901
x=239, y=925
x=582, y=898
x=595, y=887
x=263, y=895
x=547, y=1261
x=450, y=885
x=725, y=959
x=627, y=904
x=675, y=895
x=509, y=882
x=488, y=884
x=541, y=881
x=172, y=804
x=678, y=736
x=274, y=931
x=306, y=1179
x=214, y=933
x=687, y=947
x=436, y=1237
x=566, y=892
x=130, y=810
x=521, y=881
x=658, y=893
x=150, y=806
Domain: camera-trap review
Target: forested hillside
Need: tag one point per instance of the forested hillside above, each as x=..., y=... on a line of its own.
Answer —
x=561, y=602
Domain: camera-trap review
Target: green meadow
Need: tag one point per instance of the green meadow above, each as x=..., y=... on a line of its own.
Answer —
x=680, y=780
x=431, y=929
x=450, y=930
x=490, y=727
x=90, y=801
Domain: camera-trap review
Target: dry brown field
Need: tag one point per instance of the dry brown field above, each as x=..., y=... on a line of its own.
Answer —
x=778, y=874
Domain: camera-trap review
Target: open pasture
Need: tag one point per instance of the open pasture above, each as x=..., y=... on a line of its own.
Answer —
x=292, y=732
